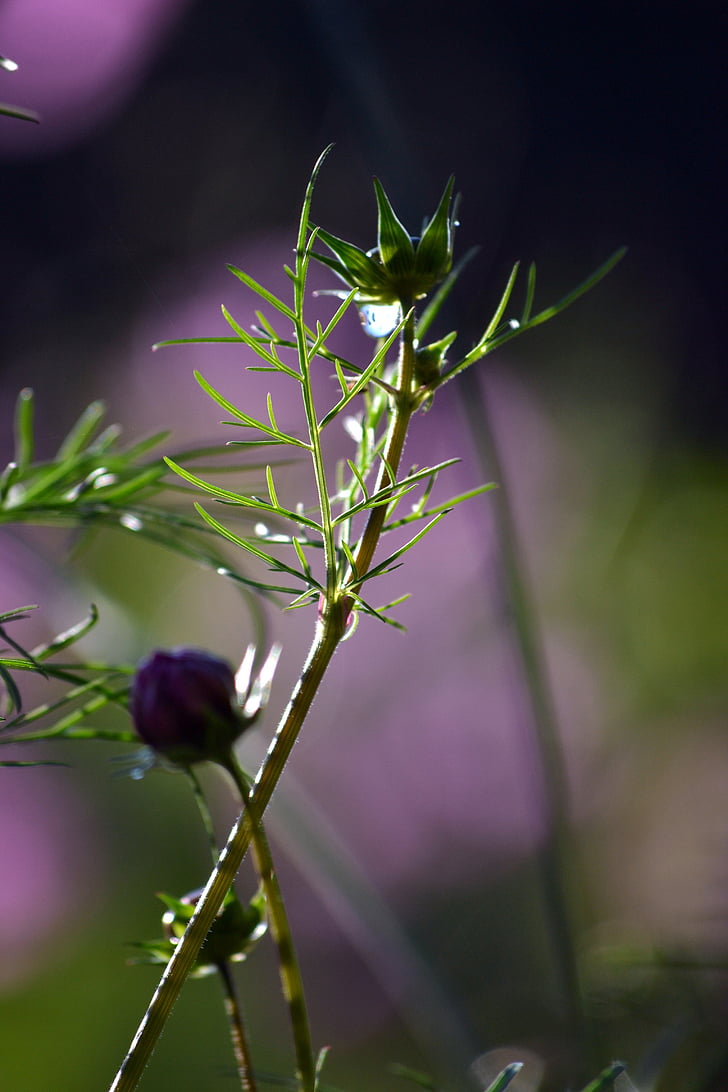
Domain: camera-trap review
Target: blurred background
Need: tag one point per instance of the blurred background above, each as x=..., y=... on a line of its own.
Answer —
x=416, y=830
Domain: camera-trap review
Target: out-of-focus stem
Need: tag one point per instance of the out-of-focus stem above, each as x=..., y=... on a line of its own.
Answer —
x=528, y=642
x=290, y=973
x=238, y=1037
x=204, y=813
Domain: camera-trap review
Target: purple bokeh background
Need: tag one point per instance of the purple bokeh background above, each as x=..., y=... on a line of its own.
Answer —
x=177, y=136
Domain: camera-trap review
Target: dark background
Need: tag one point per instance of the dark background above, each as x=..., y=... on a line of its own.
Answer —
x=571, y=130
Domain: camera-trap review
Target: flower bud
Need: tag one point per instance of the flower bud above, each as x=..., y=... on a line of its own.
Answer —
x=234, y=932
x=402, y=267
x=184, y=705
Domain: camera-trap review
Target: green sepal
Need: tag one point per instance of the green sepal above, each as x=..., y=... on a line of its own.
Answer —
x=430, y=359
x=356, y=267
x=434, y=251
x=234, y=932
x=394, y=243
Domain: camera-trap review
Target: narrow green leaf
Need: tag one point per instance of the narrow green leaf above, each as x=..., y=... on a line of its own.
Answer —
x=606, y=1078
x=68, y=637
x=105, y=441
x=100, y=689
x=425, y=513
x=275, y=564
x=530, y=293
x=424, y=1080
x=271, y=488
x=505, y=1077
x=249, y=422
x=194, y=341
x=346, y=549
x=24, y=441
x=241, y=499
x=271, y=414
x=305, y=220
x=253, y=343
x=266, y=326
x=7, y=480
x=21, y=112
x=503, y=303
x=302, y=557
x=39, y=762
x=17, y=613
x=45, y=478
x=585, y=286
x=14, y=696
x=333, y=322
x=385, y=565
x=264, y=294
x=366, y=376
x=81, y=432
x=433, y=308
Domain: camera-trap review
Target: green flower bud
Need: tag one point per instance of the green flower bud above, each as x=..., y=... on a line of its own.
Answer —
x=401, y=267
x=235, y=930
x=429, y=359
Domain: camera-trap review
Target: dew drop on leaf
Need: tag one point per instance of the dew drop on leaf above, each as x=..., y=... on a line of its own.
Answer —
x=131, y=522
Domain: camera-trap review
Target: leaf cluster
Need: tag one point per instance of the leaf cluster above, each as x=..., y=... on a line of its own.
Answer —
x=343, y=503
x=95, y=482
x=89, y=688
x=288, y=537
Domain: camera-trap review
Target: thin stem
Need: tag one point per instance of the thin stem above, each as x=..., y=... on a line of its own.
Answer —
x=404, y=406
x=328, y=634
x=238, y=1037
x=329, y=631
x=552, y=857
x=290, y=972
x=204, y=813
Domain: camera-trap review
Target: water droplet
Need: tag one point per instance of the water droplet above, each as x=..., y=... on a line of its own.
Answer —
x=379, y=319
x=104, y=478
x=514, y=324
x=131, y=522
x=352, y=427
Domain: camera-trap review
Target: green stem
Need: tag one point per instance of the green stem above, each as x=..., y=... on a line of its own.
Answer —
x=404, y=406
x=204, y=813
x=239, y=1039
x=290, y=972
x=329, y=631
x=328, y=634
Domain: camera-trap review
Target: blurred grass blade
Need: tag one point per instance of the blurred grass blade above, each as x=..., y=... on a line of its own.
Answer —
x=24, y=442
x=80, y=434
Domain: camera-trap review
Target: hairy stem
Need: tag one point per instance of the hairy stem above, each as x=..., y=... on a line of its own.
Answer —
x=238, y=1037
x=290, y=973
x=329, y=631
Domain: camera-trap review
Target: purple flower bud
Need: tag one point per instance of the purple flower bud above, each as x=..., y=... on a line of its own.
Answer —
x=184, y=705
